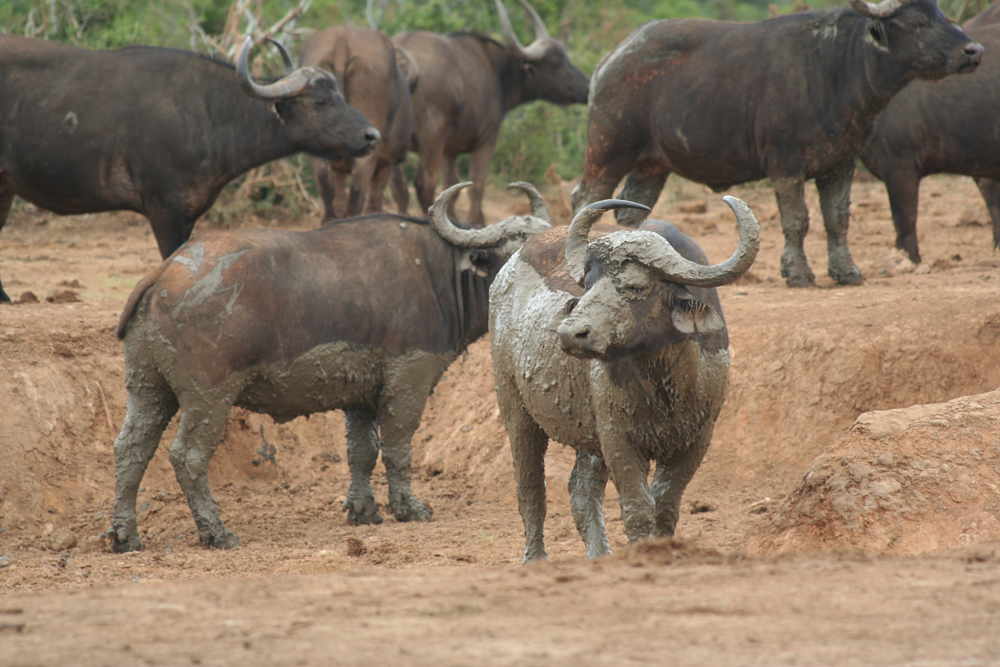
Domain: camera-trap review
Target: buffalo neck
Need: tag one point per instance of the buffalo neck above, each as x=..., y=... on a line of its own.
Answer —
x=858, y=79
x=508, y=72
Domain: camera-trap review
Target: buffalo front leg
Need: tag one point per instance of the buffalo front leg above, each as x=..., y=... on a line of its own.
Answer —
x=151, y=405
x=361, y=185
x=6, y=200
x=323, y=172
x=528, y=444
x=990, y=190
x=587, y=483
x=171, y=227
x=408, y=383
x=362, y=452
x=790, y=193
x=400, y=189
x=835, y=202
x=479, y=171
x=671, y=478
x=198, y=434
x=642, y=186
x=376, y=198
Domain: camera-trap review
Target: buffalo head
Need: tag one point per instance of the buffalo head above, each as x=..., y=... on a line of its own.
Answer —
x=637, y=286
x=489, y=247
x=917, y=35
x=548, y=73
x=310, y=105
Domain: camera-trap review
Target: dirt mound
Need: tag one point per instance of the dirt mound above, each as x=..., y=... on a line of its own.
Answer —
x=907, y=481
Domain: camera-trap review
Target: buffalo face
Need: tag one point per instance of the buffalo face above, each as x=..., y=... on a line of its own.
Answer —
x=554, y=78
x=628, y=309
x=917, y=35
x=309, y=104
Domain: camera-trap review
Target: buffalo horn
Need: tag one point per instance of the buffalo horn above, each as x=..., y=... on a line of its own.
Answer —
x=286, y=58
x=877, y=11
x=575, y=250
x=507, y=28
x=538, y=207
x=654, y=251
x=290, y=85
x=487, y=237
x=541, y=32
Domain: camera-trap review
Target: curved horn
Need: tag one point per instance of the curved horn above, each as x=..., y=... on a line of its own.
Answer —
x=575, y=250
x=487, y=237
x=285, y=56
x=288, y=86
x=506, y=28
x=877, y=11
x=654, y=251
x=541, y=32
x=538, y=207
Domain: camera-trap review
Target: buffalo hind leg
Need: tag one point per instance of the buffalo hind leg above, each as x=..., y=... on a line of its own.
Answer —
x=990, y=189
x=903, y=187
x=671, y=478
x=642, y=186
x=201, y=428
x=835, y=201
x=6, y=200
x=587, y=483
x=362, y=452
x=528, y=444
x=790, y=193
x=599, y=181
x=151, y=405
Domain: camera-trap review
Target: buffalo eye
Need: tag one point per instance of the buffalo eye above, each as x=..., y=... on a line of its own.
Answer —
x=570, y=305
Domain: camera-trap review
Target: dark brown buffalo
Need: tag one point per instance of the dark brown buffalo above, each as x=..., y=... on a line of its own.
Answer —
x=377, y=79
x=789, y=99
x=949, y=126
x=468, y=83
x=156, y=131
x=362, y=315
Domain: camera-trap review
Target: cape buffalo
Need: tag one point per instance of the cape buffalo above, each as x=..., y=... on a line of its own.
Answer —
x=362, y=315
x=468, y=83
x=788, y=99
x=377, y=79
x=152, y=130
x=948, y=126
x=631, y=368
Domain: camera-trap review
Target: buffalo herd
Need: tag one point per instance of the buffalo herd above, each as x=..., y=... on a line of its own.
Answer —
x=616, y=345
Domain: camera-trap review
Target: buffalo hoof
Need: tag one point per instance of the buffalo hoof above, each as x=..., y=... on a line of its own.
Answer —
x=534, y=556
x=797, y=273
x=408, y=508
x=850, y=276
x=225, y=540
x=124, y=541
x=362, y=511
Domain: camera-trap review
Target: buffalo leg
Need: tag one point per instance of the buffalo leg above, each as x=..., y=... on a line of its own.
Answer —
x=528, y=444
x=198, y=434
x=171, y=228
x=903, y=187
x=406, y=388
x=151, y=406
x=429, y=173
x=361, y=185
x=671, y=478
x=376, y=198
x=6, y=200
x=326, y=185
x=642, y=186
x=990, y=189
x=599, y=182
x=479, y=171
x=587, y=483
x=362, y=452
x=400, y=190
x=790, y=193
x=835, y=201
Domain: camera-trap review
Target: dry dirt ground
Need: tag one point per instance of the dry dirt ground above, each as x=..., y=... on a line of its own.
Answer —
x=847, y=514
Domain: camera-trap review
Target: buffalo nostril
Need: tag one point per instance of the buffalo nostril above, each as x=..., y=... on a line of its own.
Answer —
x=372, y=135
x=582, y=334
x=973, y=50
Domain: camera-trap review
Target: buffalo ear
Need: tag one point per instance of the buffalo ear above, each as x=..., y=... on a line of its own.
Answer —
x=691, y=316
x=876, y=30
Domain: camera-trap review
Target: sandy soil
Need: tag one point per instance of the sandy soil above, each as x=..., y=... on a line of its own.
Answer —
x=847, y=514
